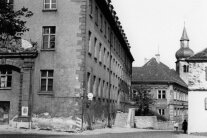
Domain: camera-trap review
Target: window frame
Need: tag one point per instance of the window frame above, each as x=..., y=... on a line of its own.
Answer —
x=48, y=46
x=90, y=8
x=161, y=111
x=50, y=5
x=89, y=43
x=46, y=78
x=185, y=68
x=8, y=73
x=161, y=93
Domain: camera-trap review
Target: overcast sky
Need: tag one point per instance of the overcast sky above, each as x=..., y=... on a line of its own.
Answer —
x=150, y=24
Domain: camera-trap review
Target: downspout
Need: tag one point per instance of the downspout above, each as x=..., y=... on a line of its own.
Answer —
x=30, y=97
x=109, y=116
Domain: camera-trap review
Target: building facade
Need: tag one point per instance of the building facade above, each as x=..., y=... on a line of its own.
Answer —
x=168, y=90
x=197, y=80
x=82, y=49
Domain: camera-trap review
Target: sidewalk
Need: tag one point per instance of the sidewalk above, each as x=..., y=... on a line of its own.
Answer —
x=10, y=130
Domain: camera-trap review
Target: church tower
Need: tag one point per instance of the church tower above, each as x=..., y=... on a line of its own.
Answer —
x=183, y=53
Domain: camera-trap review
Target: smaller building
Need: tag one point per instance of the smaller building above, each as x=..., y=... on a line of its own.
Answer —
x=167, y=88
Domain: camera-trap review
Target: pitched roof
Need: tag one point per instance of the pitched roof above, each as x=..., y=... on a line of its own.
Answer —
x=154, y=72
x=199, y=56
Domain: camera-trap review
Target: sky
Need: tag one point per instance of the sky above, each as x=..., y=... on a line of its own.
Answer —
x=157, y=25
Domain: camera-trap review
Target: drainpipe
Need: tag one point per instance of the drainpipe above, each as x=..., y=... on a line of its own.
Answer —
x=30, y=97
x=109, y=116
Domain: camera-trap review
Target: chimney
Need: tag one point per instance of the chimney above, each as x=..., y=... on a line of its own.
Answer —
x=157, y=58
x=145, y=60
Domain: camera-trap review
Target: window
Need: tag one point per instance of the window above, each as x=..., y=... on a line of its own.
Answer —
x=46, y=80
x=90, y=8
x=95, y=48
x=99, y=87
x=134, y=94
x=101, y=18
x=105, y=28
x=107, y=59
x=89, y=42
x=89, y=82
x=104, y=57
x=94, y=85
x=107, y=90
x=175, y=111
x=185, y=68
x=161, y=94
x=96, y=16
x=100, y=54
x=161, y=111
x=5, y=78
x=109, y=33
x=206, y=73
x=104, y=90
x=50, y=4
x=48, y=37
x=205, y=103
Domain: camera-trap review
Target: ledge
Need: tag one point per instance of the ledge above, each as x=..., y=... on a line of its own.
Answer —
x=45, y=93
x=49, y=10
x=51, y=49
x=8, y=88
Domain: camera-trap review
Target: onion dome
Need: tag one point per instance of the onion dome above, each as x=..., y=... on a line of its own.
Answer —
x=184, y=51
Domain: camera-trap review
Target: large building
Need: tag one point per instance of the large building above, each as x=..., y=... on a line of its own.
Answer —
x=82, y=49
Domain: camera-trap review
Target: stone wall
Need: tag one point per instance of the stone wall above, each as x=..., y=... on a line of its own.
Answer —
x=145, y=121
x=168, y=125
x=150, y=122
x=197, y=76
x=121, y=119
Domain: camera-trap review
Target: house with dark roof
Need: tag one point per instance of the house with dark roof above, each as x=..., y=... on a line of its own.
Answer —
x=166, y=87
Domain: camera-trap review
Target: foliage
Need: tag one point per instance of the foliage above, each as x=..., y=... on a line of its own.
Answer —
x=159, y=117
x=12, y=22
x=143, y=100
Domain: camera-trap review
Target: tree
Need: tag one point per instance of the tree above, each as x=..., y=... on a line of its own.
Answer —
x=12, y=23
x=143, y=100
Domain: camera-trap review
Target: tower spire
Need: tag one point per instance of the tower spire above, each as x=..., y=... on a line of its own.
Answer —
x=184, y=35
